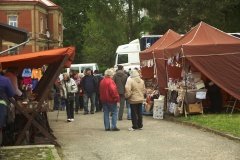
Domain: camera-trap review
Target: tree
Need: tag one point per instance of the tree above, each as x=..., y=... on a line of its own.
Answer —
x=104, y=32
x=182, y=15
x=74, y=19
x=98, y=27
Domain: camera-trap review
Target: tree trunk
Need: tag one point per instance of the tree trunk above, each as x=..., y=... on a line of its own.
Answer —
x=130, y=20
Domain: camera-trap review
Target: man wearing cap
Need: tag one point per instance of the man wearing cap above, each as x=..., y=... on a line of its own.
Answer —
x=120, y=78
x=90, y=86
x=6, y=90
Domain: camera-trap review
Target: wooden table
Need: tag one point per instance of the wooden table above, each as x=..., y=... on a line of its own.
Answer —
x=38, y=117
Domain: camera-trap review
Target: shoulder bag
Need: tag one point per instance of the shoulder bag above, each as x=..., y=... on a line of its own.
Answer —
x=70, y=96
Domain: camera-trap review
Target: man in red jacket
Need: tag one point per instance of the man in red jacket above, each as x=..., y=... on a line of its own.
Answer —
x=109, y=97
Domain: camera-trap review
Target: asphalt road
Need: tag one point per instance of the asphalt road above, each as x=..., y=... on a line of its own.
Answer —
x=86, y=139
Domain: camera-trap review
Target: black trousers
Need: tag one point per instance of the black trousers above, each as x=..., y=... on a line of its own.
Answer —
x=216, y=101
x=136, y=114
x=69, y=109
x=81, y=102
x=98, y=103
x=76, y=102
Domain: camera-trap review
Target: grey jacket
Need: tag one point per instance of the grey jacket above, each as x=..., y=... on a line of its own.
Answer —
x=71, y=87
x=120, y=78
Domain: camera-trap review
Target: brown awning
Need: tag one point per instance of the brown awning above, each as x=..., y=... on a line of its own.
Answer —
x=37, y=59
x=215, y=53
x=13, y=34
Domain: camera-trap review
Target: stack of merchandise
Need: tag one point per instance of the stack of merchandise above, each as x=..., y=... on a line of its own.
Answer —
x=158, y=108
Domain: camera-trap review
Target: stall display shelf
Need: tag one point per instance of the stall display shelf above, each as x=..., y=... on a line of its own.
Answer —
x=189, y=108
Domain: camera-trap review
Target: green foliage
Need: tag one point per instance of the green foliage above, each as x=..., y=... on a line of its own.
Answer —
x=225, y=123
x=104, y=32
x=181, y=16
x=27, y=153
x=74, y=19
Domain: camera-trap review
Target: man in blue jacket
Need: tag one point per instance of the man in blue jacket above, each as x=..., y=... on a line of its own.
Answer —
x=6, y=90
x=90, y=86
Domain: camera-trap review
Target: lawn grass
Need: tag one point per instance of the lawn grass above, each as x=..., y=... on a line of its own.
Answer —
x=226, y=123
x=26, y=154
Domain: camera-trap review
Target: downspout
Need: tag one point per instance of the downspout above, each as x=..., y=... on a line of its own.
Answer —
x=16, y=46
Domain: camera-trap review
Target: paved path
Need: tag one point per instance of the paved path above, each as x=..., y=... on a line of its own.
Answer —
x=85, y=139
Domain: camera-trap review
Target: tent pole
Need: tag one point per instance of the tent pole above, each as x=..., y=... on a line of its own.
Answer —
x=185, y=80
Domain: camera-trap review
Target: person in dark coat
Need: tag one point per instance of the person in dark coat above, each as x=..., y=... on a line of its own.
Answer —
x=120, y=78
x=98, y=102
x=6, y=91
x=214, y=93
x=90, y=86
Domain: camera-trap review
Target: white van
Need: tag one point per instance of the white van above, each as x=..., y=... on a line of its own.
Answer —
x=128, y=55
x=80, y=68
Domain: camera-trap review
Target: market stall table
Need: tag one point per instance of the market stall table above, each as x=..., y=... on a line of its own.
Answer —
x=36, y=114
x=188, y=107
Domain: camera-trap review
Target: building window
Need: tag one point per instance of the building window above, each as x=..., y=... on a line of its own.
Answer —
x=12, y=20
x=13, y=51
x=41, y=25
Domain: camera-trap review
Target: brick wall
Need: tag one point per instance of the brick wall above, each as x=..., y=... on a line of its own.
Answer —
x=29, y=19
x=24, y=20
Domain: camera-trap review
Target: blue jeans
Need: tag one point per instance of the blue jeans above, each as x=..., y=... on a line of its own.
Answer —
x=107, y=108
x=63, y=104
x=86, y=96
x=128, y=109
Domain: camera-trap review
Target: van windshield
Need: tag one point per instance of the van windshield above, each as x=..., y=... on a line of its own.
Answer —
x=75, y=69
x=122, y=58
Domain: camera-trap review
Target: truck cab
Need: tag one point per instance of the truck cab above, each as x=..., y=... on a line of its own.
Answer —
x=128, y=55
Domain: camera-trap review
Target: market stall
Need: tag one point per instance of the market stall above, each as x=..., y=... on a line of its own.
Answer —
x=35, y=111
x=155, y=57
x=214, y=53
x=168, y=38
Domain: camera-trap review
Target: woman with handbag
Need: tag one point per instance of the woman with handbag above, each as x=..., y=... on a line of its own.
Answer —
x=68, y=90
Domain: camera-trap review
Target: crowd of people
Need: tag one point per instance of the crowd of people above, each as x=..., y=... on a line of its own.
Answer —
x=75, y=91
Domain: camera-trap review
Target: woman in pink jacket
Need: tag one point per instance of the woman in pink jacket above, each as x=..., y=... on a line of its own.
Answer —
x=109, y=97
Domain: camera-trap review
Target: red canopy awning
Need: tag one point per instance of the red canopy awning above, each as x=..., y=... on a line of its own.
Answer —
x=37, y=59
x=215, y=53
x=158, y=53
x=169, y=36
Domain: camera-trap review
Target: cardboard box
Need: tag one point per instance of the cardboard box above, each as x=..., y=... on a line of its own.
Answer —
x=158, y=103
x=195, y=75
x=158, y=113
x=195, y=108
x=199, y=85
